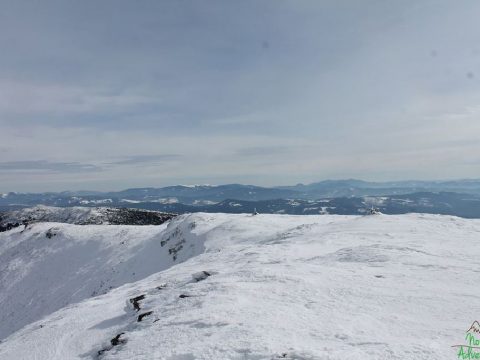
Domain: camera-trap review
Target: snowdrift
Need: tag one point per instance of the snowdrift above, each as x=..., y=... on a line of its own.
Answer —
x=257, y=287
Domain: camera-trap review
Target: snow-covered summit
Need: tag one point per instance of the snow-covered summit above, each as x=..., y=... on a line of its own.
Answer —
x=85, y=215
x=270, y=287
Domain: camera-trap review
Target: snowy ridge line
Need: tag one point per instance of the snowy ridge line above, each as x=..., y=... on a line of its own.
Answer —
x=82, y=216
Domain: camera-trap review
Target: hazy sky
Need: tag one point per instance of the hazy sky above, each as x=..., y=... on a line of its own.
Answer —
x=110, y=94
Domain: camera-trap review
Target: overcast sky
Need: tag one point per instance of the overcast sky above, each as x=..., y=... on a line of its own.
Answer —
x=111, y=94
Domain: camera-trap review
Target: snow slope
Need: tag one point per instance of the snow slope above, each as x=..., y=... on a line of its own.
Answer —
x=281, y=287
x=50, y=265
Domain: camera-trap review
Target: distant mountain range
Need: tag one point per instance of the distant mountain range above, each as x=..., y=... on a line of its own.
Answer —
x=461, y=197
x=353, y=187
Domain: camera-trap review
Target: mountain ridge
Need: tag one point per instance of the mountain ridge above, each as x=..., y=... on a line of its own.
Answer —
x=254, y=287
x=411, y=185
x=351, y=196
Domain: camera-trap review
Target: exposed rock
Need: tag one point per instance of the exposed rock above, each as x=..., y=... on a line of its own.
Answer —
x=52, y=232
x=202, y=275
x=8, y=226
x=141, y=316
x=135, y=301
x=116, y=340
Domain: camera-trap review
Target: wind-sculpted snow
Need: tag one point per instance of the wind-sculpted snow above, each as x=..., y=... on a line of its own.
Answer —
x=281, y=287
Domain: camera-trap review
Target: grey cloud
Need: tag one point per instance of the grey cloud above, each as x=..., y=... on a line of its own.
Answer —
x=60, y=105
x=48, y=166
x=263, y=150
x=353, y=79
x=145, y=159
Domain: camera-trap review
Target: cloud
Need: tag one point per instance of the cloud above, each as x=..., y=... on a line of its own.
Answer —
x=264, y=150
x=48, y=166
x=23, y=99
x=145, y=159
x=245, y=90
